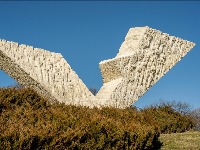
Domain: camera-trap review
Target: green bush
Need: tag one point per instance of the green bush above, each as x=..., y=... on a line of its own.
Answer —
x=27, y=121
x=167, y=119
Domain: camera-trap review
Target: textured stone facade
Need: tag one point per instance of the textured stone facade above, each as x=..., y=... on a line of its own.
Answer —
x=144, y=57
x=46, y=72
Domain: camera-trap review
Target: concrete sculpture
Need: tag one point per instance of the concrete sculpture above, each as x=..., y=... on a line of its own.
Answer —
x=46, y=72
x=144, y=57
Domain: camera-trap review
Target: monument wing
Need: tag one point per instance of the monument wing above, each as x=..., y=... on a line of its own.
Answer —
x=144, y=57
x=46, y=72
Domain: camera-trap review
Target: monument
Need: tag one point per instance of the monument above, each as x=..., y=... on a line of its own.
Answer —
x=144, y=57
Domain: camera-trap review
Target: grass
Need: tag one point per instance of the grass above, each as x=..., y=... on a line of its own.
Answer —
x=181, y=141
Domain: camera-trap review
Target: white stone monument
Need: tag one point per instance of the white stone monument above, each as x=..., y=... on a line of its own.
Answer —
x=144, y=57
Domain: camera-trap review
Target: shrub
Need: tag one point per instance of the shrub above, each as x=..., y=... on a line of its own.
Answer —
x=167, y=119
x=27, y=121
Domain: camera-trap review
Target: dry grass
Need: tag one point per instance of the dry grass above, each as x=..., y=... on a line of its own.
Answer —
x=181, y=141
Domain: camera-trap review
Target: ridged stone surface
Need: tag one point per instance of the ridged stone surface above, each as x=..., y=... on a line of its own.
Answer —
x=48, y=73
x=144, y=57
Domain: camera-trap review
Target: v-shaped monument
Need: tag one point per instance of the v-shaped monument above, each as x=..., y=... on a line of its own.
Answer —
x=144, y=57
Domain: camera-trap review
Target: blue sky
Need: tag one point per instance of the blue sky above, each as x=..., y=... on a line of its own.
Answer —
x=88, y=32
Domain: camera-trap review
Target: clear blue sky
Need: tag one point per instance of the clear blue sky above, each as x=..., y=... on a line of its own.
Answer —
x=88, y=32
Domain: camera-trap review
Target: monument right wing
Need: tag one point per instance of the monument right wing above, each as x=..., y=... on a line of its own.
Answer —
x=144, y=57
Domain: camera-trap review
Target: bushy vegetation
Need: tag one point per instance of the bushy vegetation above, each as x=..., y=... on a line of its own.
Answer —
x=27, y=121
x=168, y=120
